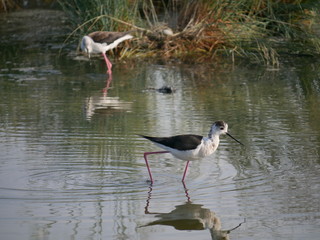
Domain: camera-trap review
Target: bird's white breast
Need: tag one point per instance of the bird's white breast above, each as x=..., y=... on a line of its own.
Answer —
x=206, y=148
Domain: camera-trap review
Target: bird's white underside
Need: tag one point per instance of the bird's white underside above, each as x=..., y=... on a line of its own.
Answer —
x=94, y=47
x=206, y=148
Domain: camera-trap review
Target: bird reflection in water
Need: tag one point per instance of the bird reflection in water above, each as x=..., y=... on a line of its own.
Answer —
x=102, y=104
x=190, y=216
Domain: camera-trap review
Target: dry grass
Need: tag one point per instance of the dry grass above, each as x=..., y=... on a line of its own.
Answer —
x=203, y=28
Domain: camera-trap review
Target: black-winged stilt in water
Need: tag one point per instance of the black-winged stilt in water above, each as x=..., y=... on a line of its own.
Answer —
x=101, y=42
x=189, y=147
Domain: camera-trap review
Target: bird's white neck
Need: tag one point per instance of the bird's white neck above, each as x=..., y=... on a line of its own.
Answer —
x=208, y=145
x=214, y=138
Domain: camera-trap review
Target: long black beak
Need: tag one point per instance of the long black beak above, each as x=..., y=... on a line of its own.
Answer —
x=234, y=139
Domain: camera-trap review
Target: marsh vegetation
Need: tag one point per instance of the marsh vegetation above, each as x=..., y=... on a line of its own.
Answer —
x=257, y=29
x=260, y=30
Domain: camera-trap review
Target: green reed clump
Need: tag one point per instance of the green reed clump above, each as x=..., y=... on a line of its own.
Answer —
x=256, y=29
x=80, y=11
x=281, y=24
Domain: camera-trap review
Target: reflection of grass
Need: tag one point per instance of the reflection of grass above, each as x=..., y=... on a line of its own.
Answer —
x=257, y=29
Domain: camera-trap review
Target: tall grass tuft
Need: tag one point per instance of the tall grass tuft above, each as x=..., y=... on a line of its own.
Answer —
x=256, y=29
x=80, y=11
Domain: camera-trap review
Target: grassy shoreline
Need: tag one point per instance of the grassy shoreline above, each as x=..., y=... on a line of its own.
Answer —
x=255, y=29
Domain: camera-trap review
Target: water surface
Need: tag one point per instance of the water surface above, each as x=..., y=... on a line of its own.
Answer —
x=71, y=160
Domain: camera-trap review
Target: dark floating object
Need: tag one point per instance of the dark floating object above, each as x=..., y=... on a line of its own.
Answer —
x=164, y=90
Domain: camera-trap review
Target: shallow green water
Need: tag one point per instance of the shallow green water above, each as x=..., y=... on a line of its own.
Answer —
x=71, y=160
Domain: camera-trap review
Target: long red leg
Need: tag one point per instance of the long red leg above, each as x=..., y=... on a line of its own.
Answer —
x=147, y=164
x=109, y=64
x=185, y=171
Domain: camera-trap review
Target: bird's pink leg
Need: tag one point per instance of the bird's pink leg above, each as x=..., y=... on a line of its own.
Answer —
x=108, y=63
x=147, y=164
x=185, y=171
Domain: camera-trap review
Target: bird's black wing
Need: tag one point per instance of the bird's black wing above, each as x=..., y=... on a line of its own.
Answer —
x=179, y=142
x=106, y=37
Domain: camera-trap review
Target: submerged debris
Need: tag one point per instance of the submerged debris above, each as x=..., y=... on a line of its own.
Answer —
x=164, y=90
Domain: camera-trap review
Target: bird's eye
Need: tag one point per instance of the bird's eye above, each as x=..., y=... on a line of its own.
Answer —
x=221, y=128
